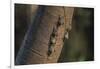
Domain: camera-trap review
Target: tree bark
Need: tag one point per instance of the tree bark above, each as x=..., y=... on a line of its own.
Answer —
x=34, y=49
x=24, y=16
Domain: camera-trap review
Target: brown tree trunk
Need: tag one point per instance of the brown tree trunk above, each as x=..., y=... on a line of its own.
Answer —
x=35, y=46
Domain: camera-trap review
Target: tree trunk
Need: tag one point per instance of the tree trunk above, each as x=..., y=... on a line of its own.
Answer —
x=36, y=44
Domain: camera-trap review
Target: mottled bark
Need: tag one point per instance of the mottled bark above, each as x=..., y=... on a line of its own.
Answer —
x=67, y=13
x=35, y=45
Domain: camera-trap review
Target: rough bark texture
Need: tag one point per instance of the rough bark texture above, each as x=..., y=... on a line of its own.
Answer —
x=67, y=13
x=34, y=48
